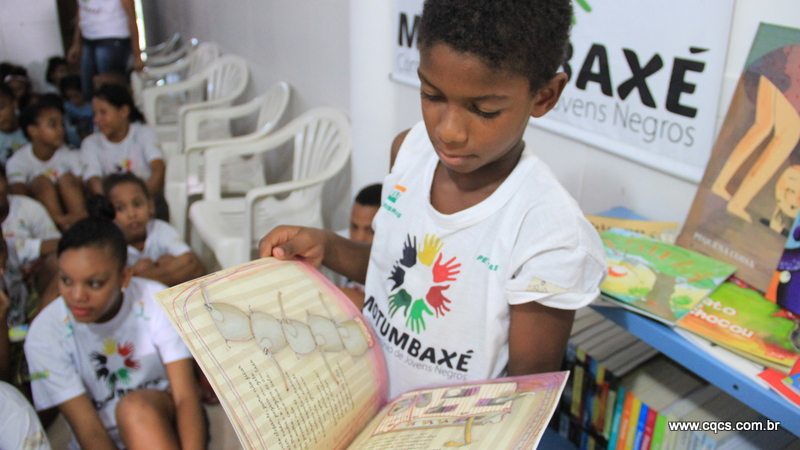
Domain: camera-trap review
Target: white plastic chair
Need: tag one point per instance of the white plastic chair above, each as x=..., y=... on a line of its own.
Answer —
x=190, y=59
x=185, y=170
x=231, y=228
x=166, y=47
x=218, y=85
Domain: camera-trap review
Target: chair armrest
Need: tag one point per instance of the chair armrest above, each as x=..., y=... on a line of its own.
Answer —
x=151, y=94
x=193, y=119
x=156, y=72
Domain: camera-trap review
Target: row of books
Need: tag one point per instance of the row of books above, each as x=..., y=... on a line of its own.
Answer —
x=623, y=394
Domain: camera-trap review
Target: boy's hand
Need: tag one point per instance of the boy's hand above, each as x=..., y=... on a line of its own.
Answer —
x=286, y=242
x=4, y=305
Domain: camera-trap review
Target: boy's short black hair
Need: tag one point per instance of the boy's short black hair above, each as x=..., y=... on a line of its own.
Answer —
x=30, y=114
x=97, y=233
x=69, y=82
x=526, y=37
x=370, y=195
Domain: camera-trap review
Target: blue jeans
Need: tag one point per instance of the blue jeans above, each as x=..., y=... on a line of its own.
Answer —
x=101, y=56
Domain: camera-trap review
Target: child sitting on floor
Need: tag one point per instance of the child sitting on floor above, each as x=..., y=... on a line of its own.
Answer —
x=482, y=256
x=77, y=110
x=45, y=168
x=155, y=249
x=107, y=356
x=123, y=143
x=11, y=135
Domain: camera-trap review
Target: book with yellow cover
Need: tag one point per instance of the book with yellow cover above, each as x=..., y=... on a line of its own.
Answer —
x=295, y=366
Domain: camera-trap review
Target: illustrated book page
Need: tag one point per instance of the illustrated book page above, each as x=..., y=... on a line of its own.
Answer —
x=743, y=321
x=748, y=197
x=290, y=357
x=507, y=413
x=661, y=280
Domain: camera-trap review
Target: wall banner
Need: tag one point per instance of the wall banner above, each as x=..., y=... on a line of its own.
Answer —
x=645, y=78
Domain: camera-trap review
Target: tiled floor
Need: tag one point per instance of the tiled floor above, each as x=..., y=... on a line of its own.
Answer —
x=222, y=435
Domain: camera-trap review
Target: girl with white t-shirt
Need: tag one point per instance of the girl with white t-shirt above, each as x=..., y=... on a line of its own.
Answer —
x=155, y=249
x=107, y=356
x=123, y=143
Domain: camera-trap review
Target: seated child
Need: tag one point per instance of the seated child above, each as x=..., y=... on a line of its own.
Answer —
x=483, y=256
x=32, y=237
x=77, y=111
x=367, y=203
x=11, y=136
x=155, y=249
x=57, y=69
x=123, y=143
x=45, y=168
x=107, y=356
x=16, y=77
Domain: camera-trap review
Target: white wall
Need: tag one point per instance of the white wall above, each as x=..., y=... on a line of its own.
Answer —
x=339, y=53
x=304, y=43
x=598, y=180
x=29, y=34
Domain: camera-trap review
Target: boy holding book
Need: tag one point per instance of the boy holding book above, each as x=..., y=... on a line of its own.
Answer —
x=480, y=256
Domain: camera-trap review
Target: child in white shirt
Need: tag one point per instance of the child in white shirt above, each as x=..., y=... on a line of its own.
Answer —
x=480, y=256
x=123, y=143
x=46, y=169
x=106, y=355
x=11, y=136
x=155, y=249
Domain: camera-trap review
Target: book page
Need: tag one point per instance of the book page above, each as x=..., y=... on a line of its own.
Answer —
x=509, y=413
x=291, y=359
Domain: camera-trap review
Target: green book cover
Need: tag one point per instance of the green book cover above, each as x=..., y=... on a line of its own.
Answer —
x=658, y=433
x=660, y=280
x=743, y=321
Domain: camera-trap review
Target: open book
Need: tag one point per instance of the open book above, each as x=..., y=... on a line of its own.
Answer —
x=296, y=367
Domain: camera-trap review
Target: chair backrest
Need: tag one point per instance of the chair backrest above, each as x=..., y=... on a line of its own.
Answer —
x=273, y=106
x=202, y=57
x=226, y=78
x=166, y=46
x=165, y=58
x=322, y=143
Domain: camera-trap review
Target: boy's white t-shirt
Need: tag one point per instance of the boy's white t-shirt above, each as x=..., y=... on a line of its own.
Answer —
x=162, y=239
x=24, y=166
x=105, y=361
x=102, y=157
x=439, y=287
x=101, y=19
x=20, y=428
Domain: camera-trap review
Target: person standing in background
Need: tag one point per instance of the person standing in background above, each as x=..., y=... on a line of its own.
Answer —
x=105, y=39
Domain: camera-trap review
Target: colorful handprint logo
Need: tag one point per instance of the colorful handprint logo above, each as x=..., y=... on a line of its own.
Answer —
x=422, y=269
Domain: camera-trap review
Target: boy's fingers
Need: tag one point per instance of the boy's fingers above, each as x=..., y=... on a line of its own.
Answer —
x=275, y=243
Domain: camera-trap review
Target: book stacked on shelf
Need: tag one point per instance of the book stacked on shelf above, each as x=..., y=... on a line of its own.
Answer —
x=623, y=394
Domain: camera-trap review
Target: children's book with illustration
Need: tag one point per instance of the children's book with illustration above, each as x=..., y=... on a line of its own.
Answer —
x=748, y=197
x=743, y=321
x=295, y=366
x=656, y=279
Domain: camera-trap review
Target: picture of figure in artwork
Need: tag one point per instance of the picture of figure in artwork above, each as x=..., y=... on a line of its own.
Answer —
x=749, y=196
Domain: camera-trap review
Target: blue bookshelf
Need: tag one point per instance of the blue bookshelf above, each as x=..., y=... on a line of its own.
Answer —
x=686, y=353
